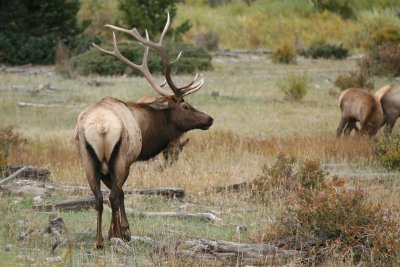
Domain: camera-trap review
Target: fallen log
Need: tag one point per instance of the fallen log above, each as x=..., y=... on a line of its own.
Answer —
x=230, y=188
x=29, y=172
x=206, y=216
x=170, y=192
x=68, y=205
x=5, y=180
x=89, y=201
x=225, y=252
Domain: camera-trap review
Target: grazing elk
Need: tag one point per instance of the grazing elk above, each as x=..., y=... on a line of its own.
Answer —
x=389, y=96
x=174, y=148
x=358, y=105
x=112, y=134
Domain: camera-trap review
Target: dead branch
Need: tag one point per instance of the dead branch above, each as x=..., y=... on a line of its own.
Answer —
x=29, y=172
x=5, y=180
x=207, y=216
x=223, y=251
x=229, y=188
x=170, y=192
x=119, y=245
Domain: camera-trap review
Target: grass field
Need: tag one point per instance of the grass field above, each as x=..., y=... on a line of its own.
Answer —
x=253, y=124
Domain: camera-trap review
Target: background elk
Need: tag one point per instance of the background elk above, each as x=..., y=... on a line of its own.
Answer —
x=112, y=134
x=358, y=105
x=174, y=148
x=389, y=96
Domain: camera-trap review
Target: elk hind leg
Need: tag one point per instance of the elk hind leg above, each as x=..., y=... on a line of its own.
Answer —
x=91, y=166
x=351, y=125
x=391, y=121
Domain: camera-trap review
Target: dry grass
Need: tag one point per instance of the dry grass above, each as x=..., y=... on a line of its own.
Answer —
x=253, y=124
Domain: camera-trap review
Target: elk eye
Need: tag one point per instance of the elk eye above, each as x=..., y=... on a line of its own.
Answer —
x=185, y=106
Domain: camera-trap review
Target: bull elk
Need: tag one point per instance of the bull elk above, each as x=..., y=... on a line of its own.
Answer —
x=389, y=96
x=112, y=134
x=358, y=105
x=174, y=148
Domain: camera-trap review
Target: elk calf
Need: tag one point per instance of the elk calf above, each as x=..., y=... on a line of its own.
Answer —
x=389, y=97
x=358, y=105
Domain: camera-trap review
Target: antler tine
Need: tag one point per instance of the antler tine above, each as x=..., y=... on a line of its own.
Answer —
x=141, y=68
x=165, y=30
x=159, y=47
x=193, y=89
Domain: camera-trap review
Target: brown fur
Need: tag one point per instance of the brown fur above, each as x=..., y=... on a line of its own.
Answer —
x=174, y=148
x=358, y=105
x=112, y=134
x=389, y=96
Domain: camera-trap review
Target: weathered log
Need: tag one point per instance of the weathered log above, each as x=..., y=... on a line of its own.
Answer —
x=230, y=188
x=120, y=246
x=170, y=192
x=34, y=173
x=68, y=205
x=225, y=252
x=14, y=175
x=41, y=105
x=89, y=201
x=207, y=216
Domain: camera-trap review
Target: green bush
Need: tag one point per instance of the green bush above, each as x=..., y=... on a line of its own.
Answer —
x=387, y=152
x=30, y=30
x=358, y=79
x=295, y=87
x=151, y=15
x=322, y=50
x=388, y=34
x=94, y=62
x=340, y=224
x=341, y=7
x=382, y=61
x=286, y=54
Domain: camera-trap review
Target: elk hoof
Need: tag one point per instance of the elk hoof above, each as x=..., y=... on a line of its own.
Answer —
x=126, y=233
x=99, y=245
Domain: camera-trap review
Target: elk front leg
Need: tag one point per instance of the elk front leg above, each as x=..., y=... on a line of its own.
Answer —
x=115, y=226
x=342, y=124
x=118, y=174
x=126, y=234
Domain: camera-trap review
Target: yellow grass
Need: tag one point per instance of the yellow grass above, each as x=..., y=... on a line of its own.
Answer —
x=253, y=124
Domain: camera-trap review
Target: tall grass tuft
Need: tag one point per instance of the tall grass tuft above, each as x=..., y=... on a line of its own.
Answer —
x=295, y=86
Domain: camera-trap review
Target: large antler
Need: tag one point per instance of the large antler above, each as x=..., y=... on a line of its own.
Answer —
x=159, y=47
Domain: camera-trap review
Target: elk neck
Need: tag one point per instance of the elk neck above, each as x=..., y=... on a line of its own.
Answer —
x=157, y=130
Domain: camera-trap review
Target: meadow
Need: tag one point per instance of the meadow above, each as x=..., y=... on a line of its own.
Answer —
x=253, y=124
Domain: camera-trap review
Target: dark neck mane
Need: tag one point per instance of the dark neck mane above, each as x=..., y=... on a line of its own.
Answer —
x=157, y=131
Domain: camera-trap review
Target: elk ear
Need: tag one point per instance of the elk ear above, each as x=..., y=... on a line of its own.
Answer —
x=159, y=104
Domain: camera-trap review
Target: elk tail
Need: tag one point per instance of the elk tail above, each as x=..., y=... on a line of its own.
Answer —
x=102, y=127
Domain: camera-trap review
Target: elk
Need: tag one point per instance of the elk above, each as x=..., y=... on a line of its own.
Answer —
x=112, y=134
x=358, y=105
x=175, y=147
x=389, y=97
